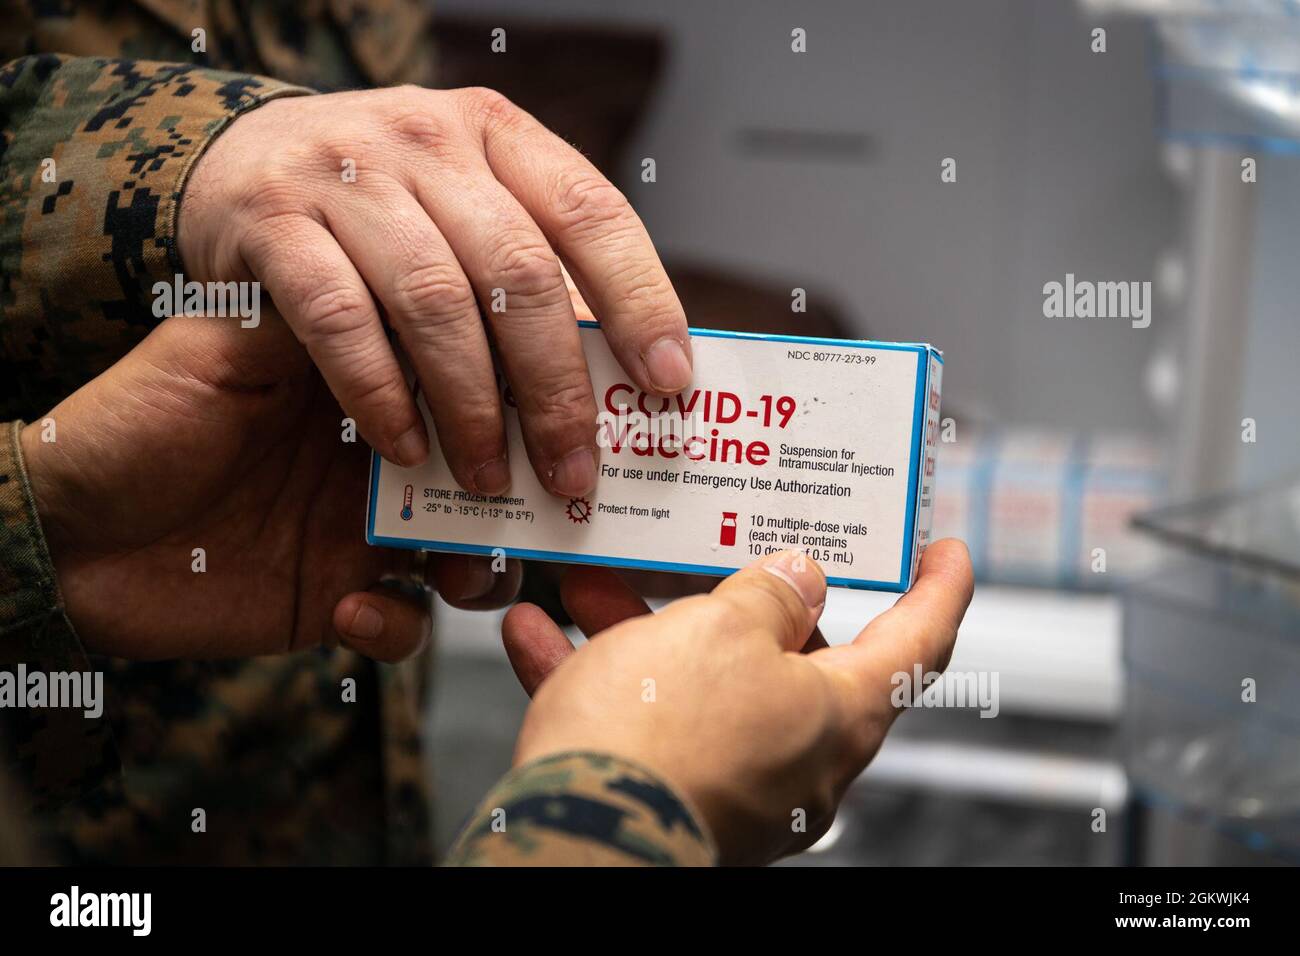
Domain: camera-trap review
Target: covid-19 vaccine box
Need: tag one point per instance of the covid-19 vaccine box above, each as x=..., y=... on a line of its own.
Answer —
x=781, y=442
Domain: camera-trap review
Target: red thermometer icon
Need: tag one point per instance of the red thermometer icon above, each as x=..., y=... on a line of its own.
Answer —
x=407, y=513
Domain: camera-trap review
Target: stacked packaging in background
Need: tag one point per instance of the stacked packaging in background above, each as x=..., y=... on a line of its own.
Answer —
x=1050, y=509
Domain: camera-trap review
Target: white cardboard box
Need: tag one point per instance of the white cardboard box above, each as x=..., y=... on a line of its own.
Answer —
x=780, y=442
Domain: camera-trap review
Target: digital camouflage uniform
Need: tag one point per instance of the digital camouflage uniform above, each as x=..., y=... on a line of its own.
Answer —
x=118, y=98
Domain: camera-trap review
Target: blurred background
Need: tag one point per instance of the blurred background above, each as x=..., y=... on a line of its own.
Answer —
x=1128, y=494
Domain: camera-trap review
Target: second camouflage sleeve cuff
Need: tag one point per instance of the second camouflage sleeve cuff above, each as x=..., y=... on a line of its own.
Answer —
x=582, y=809
x=55, y=753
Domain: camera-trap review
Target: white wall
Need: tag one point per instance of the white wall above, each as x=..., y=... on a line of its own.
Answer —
x=1058, y=171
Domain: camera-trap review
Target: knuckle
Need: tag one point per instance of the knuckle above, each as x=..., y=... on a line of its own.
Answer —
x=643, y=288
x=415, y=126
x=472, y=430
x=526, y=267
x=486, y=107
x=432, y=296
x=406, y=93
x=333, y=311
x=564, y=398
x=333, y=151
x=276, y=195
x=273, y=236
x=585, y=201
x=372, y=388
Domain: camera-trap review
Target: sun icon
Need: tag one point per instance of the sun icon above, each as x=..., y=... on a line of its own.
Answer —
x=579, y=510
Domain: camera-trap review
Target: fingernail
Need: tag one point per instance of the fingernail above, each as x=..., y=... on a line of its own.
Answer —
x=367, y=623
x=492, y=477
x=574, y=475
x=479, y=580
x=412, y=448
x=800, y=572
x=667, y=366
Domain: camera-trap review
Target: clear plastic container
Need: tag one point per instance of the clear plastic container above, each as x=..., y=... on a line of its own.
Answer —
x=1212, y=667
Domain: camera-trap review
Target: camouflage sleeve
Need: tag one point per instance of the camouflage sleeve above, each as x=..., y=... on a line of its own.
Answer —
x=56, y=753
x=94, y=153
x=582, y=809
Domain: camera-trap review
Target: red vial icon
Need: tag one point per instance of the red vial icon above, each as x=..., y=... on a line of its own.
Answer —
x=727, y=536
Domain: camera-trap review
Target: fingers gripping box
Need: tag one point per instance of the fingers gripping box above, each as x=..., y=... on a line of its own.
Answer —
x=780, y=442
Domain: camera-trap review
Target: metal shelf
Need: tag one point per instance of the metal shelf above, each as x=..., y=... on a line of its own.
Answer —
x=1056, y=653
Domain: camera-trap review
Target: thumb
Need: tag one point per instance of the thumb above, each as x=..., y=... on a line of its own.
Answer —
x=382, y=624
x=919, y=630
x=782, y=595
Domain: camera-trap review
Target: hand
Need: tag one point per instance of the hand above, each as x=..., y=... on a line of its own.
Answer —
x=746, y=726
x=212, y=436
x=456, y=195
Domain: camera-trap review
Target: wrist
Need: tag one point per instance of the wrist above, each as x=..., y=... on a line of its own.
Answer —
x=44, y=487
x=200, y=194
x=210, y=194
